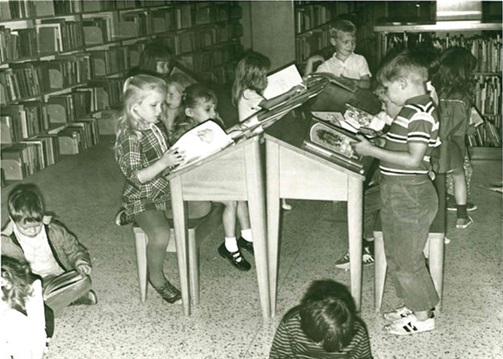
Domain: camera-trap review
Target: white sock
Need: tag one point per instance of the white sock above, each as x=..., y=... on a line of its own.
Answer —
x=247, y=235
x=231, y=244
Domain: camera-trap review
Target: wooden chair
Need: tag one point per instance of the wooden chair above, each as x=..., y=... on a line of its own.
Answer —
x=198, y=230
x=433, y=251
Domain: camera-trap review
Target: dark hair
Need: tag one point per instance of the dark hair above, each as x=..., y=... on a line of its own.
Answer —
x=430, y=58
x=327, y=315
x=405, y=64
x=17, y=287
x=25, y=204
x=195, y=93
x=455, y=72
x=251, y=73
x=151, y=54
x=342, y=25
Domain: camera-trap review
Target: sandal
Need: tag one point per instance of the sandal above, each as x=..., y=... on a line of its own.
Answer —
x=169, y=293
x=410, y=325
x=397, y=314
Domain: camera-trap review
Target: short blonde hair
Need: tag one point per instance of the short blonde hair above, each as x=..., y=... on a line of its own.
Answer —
x=345, y=26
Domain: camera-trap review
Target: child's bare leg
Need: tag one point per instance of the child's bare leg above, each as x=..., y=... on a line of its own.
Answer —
x=229, y=222
x=243, y=215
x=460, y=192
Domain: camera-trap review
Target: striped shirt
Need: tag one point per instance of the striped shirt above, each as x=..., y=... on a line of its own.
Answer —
x=416, y=122
x=133, y=155
x=291, y=342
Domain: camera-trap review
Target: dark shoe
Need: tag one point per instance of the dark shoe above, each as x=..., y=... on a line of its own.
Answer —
x=121, y=218
x=87, y=299
x=169, y=293
x=243, y=243
x=235, y=258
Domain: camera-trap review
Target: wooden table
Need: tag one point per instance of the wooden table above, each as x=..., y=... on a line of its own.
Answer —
x=235, y=174
x=293, y=172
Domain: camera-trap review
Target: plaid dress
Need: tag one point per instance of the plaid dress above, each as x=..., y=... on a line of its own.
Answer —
x=132, y=155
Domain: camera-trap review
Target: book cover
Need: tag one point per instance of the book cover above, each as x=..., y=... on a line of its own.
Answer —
x=282, y=81
x=202, y=141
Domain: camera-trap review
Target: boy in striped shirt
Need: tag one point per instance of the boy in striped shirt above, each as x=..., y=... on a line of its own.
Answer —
x=409, y=199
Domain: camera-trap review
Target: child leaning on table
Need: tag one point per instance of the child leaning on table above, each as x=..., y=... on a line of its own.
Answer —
x=344, y=62
x=324, y=325
x=49, y=248
x=200, y=105
x=409, y=199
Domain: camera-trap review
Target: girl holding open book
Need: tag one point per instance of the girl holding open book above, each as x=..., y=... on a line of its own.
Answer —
x=143, y=155
x=248, y=90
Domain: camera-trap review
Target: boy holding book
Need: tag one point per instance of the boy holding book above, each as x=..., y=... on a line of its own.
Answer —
x=409, y=199
x=344, y=63
x=54, y=254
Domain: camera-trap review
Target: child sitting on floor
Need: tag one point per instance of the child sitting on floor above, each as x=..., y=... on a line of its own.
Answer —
x=50, y=249
x=324, y=325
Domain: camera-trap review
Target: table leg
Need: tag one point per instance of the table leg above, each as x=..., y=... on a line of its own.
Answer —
x=180, y=224
x=273, y=217
x=355, y=205
x=256, y=204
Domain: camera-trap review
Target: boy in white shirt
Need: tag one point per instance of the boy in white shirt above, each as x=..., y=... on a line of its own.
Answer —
x=344, y=62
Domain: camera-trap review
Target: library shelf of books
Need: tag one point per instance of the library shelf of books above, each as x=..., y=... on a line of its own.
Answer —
x=63, y=64
x=485, y=43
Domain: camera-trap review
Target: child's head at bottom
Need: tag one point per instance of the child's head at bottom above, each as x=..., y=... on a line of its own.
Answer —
x=200, y=103
x=328, y=314
x=15, y=282
x=26, y=209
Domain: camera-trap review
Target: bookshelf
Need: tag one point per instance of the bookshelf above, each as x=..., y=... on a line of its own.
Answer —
x=63, y=64
x=484, y=40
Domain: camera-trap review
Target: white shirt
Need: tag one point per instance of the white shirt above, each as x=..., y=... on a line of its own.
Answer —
x=248, y=104
x=355, y=66
x=38, y=253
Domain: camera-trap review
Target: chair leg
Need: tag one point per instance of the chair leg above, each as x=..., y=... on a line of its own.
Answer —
x=436, y=263
x=193, y=267
x=141, y=240
x=380, y=268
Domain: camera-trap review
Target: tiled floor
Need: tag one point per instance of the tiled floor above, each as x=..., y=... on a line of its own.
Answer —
x=84, y=191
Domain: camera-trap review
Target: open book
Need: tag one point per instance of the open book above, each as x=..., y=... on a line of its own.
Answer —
x=343, y=82
x=282, y=81
x=63, y=282
x=202, y=141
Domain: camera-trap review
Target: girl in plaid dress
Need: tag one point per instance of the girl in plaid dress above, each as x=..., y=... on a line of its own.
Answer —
x=142, y=152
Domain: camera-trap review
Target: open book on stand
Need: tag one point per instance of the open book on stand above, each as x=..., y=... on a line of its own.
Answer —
x=282, y=81
x=334, y=144
x=202, y=141
x=343, y=82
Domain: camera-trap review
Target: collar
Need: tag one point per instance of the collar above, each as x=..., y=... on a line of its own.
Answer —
x=334, y=56
x=421, y=99
x=9, y=227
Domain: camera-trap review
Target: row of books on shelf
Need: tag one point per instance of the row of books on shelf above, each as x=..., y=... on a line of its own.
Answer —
x=28, y=79
x=487, y=135
x=48, y=39
x=308, y=17
x=26, y=9
x=488, y=94
x=29, y=156
x=29, y=118
x=206, y=60
x=486, y=48
x=311, y=42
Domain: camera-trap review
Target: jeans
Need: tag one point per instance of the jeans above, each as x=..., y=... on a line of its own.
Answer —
x=409, y=205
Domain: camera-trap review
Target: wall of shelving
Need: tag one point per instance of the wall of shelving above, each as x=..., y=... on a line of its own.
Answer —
x=63, y=63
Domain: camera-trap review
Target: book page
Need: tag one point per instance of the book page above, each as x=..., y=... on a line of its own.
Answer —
x=280, y=82
x=202, y=141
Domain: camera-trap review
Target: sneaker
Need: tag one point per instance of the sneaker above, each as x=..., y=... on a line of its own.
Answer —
x=343, y=262
x=87, y=299
x=121, y=218
x=410, y=325
x=452, y=207
x=398, y=313
x=286, y=206
x=463, y=223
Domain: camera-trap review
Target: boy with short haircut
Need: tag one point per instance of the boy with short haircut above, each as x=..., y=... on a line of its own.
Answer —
x=324, y=325
x=344, y=62
x=48, y=247
x=409, y=199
